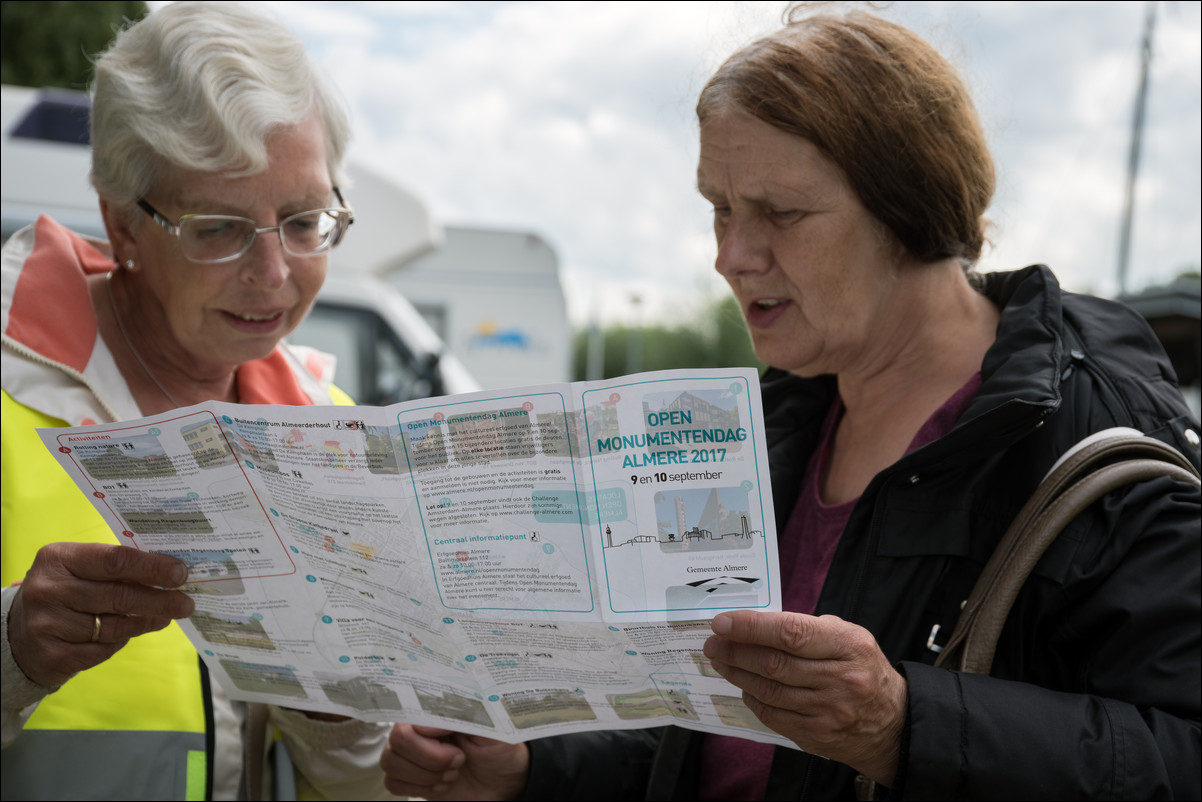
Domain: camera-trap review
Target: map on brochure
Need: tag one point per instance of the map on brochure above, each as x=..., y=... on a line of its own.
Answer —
x=513, y=564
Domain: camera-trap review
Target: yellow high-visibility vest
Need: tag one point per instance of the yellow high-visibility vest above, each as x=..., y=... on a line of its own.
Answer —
x=132, y=727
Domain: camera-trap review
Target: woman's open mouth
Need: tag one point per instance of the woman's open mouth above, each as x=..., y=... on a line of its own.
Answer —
x=764, y=311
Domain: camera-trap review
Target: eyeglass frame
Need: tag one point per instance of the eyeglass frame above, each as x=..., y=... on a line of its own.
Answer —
x=174, y=229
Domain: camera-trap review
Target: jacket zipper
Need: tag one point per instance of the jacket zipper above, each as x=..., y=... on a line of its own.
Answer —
x=1081, y=356
x=33, y=356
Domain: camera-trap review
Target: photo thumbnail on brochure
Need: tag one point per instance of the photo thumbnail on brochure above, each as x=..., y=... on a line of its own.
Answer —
x=514, y=563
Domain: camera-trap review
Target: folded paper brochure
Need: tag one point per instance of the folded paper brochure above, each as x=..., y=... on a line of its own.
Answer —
x=513, y=564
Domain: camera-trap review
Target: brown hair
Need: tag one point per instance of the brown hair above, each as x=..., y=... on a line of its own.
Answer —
x=885, y=107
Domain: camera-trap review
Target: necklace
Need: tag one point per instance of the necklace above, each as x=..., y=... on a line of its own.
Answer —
x=108, y=282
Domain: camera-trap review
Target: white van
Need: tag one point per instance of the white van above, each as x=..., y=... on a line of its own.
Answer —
x=496, y=299
x=386, y=352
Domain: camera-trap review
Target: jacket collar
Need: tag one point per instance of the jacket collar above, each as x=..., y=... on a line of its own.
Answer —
x=1020, y=373
x=47, y=307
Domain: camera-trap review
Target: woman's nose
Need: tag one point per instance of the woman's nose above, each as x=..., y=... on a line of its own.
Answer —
x=266, y=264
x=742, y=248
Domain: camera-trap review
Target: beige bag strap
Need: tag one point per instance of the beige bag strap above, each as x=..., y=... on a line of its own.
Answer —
x=1073, y=484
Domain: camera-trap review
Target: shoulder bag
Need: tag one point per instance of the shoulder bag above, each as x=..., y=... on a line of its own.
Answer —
x=1097, y=465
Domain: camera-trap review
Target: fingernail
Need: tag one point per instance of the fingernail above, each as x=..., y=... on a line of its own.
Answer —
x=721, y=625
x=450, y=776
x=457, y=760
x=179, y=574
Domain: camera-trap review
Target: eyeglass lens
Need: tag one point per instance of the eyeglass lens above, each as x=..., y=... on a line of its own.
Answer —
x=211, y=238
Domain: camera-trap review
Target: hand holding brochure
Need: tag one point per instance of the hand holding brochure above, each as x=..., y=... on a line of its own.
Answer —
x=512, y=564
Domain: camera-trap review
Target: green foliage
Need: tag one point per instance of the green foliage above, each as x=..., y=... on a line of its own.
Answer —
x=51, y=43
x=715, y=338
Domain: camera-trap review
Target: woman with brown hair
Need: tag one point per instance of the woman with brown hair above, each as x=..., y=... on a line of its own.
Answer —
x=912, y=407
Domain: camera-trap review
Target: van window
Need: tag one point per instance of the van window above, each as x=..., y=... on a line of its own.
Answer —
x=374, y=366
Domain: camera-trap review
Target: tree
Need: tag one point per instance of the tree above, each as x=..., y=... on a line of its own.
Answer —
x=52, y=43
x=715, y=338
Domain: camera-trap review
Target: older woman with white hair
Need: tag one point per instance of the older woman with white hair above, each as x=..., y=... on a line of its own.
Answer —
x=216, y=155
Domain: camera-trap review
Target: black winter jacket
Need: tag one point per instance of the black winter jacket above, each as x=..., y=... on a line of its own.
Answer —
x=1095, y=685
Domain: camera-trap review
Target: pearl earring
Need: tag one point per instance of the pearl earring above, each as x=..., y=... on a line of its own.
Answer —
x=129, y=265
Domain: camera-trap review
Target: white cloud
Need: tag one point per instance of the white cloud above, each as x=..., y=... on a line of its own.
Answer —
x=574, y=120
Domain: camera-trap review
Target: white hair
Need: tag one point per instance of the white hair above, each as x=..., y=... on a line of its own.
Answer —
x=202, y=85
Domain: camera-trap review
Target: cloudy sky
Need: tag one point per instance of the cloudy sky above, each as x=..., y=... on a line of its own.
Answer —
x=574, y=121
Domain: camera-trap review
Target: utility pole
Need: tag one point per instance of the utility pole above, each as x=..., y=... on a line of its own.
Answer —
x=1137, y=127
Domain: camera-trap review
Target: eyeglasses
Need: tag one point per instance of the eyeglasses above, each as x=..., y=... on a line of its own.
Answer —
x=211, y=238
